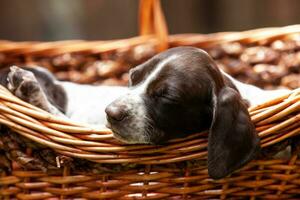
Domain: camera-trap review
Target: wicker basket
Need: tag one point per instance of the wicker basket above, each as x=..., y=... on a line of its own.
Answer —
x=91, y=164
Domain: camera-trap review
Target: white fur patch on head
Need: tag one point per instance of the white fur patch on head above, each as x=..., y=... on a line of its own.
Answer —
x=142, y=87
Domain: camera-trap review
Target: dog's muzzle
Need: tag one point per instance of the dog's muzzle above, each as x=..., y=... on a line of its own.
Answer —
x=115, y=113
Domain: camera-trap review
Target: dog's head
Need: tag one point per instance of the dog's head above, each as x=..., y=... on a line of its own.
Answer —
x=179, y=92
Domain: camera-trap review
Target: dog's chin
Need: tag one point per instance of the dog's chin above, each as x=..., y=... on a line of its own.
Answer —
x=127, y=139
x=108, y=125
x=131, y=136
x=121, y=138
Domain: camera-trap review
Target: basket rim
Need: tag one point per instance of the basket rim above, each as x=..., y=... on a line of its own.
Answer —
x=38, y=48
x=98, y=145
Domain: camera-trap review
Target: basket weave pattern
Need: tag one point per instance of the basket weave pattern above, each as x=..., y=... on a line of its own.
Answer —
x=156, y=172
x=112, y=170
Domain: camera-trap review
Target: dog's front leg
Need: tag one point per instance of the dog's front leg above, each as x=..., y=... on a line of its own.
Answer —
x=24, y=85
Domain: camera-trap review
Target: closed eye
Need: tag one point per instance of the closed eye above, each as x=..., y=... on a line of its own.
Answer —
x=166, y=96
x=170, y=99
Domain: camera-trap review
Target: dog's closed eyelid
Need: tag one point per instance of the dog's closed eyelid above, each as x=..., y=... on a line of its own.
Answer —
x=166, y=96
x=158, y=92
x=170, y=99
x=173, y=94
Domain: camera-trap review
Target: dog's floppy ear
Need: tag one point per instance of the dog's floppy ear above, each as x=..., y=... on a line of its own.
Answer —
x=232, y=139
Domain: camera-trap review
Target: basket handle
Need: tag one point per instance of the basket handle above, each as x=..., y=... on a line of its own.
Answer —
x=152, y=22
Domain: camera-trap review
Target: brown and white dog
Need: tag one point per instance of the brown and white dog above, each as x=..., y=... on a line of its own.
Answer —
x=176, y=93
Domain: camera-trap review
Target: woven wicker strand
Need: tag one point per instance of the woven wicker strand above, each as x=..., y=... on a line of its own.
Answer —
x=71, y=139
x=95, y=47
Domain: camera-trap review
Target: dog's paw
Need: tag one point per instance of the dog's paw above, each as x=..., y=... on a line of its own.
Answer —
x=22, y=83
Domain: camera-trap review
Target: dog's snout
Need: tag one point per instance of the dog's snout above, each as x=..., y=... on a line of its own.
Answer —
x=116, y=112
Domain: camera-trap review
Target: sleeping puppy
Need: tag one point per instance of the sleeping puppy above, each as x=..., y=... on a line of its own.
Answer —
x=176, y=93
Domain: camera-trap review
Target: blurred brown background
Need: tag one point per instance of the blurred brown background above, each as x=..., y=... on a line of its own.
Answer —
x=109, y=19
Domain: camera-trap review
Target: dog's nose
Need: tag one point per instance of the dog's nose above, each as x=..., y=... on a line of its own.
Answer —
x=116, y=113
